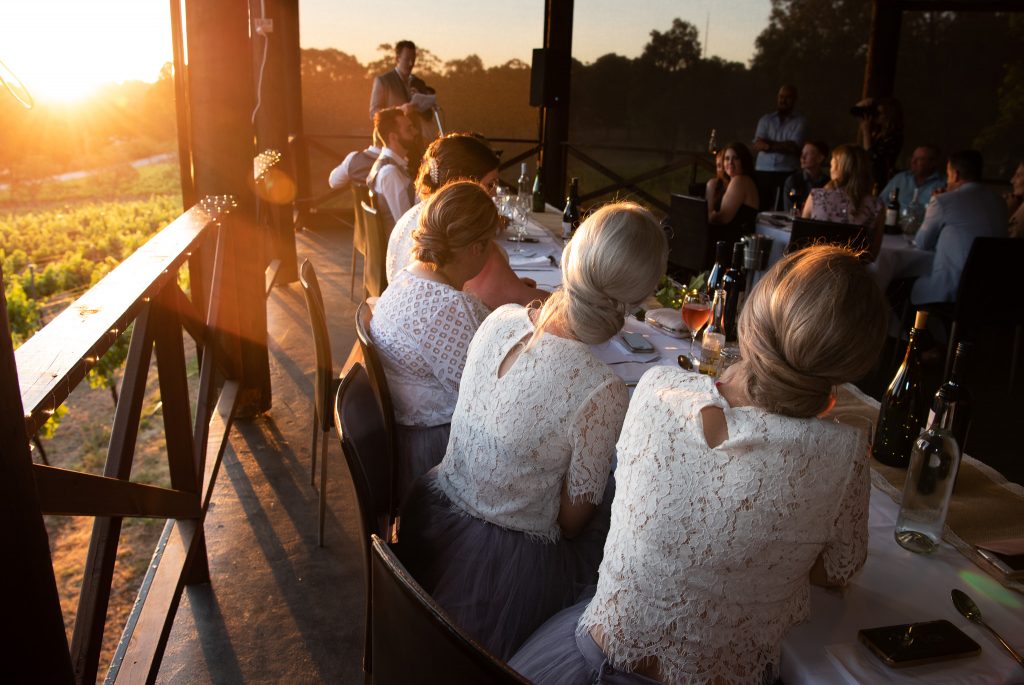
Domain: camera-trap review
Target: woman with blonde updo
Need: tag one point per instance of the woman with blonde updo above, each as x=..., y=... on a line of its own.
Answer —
x=732, y=497
x=424, y=321
x=461, y=156
x=487, y=533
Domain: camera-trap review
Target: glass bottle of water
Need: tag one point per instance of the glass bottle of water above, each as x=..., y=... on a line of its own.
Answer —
x=934, y=462
x=524, y=186
x=912, y=215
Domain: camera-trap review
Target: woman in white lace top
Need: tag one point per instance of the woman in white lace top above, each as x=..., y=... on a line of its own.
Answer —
x=731, y=500
x=460, y=156
x=423, y=322
x=532, y=441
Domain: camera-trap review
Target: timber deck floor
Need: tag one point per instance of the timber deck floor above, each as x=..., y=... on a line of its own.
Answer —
x=278, y=608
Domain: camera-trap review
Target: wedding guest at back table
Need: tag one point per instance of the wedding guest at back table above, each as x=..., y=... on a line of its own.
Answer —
x=952, y=221
x=881, y=135
x=714, y=189
x=356, y=166
x=1015, y=203
x=423, y=322
x=389, y=175
x=461, y=156
x=533, y=436
x=732, y=497
x=924, y=176
x=812, y=174
x=739, y=202
x=777, y=141
x=847, y=198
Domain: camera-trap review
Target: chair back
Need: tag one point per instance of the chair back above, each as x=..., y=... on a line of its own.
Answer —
x=414, y=640
x=987, y=282
x=360, y=194
x=378, y=381
x=375, y=278
x=322, y=382
x=692, y=239
x=807, y=232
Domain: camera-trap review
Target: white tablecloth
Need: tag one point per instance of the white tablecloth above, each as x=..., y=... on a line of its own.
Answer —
x=896, y=259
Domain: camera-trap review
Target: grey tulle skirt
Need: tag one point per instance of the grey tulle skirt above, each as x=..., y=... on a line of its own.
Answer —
x=497, y=584
x=418, y=449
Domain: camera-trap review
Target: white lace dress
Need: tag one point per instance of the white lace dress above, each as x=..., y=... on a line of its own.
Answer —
x=480, y=532
x=400, y=243
x=707, y=561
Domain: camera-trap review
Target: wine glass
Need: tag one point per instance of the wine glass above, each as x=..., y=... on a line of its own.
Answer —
x=696, y=311
x=519, y=212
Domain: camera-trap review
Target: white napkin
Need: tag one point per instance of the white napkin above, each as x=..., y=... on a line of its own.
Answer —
x=530, y=259
x=859, y=666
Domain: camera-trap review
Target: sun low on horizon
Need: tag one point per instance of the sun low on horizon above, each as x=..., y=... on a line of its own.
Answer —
x=62, y=51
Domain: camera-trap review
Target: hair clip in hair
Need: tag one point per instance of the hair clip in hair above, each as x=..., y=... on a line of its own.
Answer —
x=435, y=173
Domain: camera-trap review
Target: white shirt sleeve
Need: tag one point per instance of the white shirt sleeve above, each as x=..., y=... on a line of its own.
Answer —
x=393, y=185
x=339, y=176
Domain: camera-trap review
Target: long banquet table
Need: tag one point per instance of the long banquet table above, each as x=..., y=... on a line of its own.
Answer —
x=895, y=586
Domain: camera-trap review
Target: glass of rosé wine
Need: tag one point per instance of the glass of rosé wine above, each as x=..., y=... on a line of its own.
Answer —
x=696, y=311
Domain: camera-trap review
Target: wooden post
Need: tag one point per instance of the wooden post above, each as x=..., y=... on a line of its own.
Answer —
x=221, y=101
x=883, y=47
x=555, y=114
x=272, y=133
x=298, y=157
x=35, y=648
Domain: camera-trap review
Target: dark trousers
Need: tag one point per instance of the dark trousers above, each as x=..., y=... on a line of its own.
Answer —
x=769, y=188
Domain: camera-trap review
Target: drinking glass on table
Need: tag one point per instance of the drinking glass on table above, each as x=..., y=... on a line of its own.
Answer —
x=696, y=311
x=520, y=210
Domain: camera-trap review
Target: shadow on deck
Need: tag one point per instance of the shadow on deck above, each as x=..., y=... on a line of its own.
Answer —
x=279, y=608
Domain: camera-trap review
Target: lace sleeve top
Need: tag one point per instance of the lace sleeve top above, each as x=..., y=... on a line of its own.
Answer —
x=400, y=242
x=706, y=564
x=833, y=204
x=423, y=330
x=553, y=417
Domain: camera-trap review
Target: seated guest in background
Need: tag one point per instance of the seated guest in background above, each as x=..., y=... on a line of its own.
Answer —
x=732, y=497
x=881, y=135
x=716, y=185
x=923, y=176
x=532, y=442
x=1015, y=203
x=389, y=176
x=424, y=321
x=952, y=221
x=460, y=156
x=811, y=174
x=847, y=198
x=739, y=202
x=356, y=165
x=777, y=141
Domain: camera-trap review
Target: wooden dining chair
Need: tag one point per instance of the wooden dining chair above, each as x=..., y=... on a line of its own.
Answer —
x=360, y=194
x=375, y=278
x=414, y=640
x=325, y=385
x=379, y=383
x=364, y=443
x=807, y=232
x=692, y=239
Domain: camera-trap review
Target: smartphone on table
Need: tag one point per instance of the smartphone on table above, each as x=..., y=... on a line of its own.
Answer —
x=636, y=342
x=912, y=644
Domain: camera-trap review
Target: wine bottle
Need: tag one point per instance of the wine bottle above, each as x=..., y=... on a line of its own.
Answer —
x=733, y=282
x=718, y=269
x=571, y=213
x=903, y=406
x=956, y=396
x=934, y=463
x=538, y=192
x=525, y=191
x=713, y=142
x=714, y=335
x=892, y=212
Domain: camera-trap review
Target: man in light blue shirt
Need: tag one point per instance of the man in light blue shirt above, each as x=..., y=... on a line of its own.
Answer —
x=923, y=176
x=951, y=223
x=777, y=141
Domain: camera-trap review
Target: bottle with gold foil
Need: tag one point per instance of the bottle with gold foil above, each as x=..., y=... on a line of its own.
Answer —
x=714, y=336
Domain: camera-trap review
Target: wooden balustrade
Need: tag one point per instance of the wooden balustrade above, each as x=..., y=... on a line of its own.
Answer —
x=142, y=292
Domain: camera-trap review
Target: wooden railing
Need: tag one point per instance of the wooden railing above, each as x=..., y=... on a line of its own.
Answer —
x=142, y=292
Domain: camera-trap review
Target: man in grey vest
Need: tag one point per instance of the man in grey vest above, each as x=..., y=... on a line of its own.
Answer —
x=400, y=88
x=356, y=166
x=389, y=177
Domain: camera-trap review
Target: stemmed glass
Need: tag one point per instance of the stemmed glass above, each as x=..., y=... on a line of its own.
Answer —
x=519, y=213
x=696, y=311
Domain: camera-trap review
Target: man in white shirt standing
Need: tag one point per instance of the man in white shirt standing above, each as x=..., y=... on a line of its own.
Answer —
x=399, y=88
x=779, y=137
x=389, y=178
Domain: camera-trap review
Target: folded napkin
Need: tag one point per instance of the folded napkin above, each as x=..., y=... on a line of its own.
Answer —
x=669, y=321
x=529, y=260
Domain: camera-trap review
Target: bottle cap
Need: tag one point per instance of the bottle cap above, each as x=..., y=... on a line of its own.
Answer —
x=921, y=319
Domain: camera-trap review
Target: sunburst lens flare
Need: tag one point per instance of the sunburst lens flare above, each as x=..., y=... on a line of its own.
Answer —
x=15, y=87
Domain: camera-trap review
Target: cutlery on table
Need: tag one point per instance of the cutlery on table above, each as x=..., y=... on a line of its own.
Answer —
x=966, y=606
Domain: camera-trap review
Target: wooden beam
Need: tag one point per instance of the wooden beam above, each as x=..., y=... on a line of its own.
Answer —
x=87, y=638
x=31, y=621
x=883, y=48
x=590, y=161
x=51, y=362
x=961, y=5
x=72, y=493
x=558, y=17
